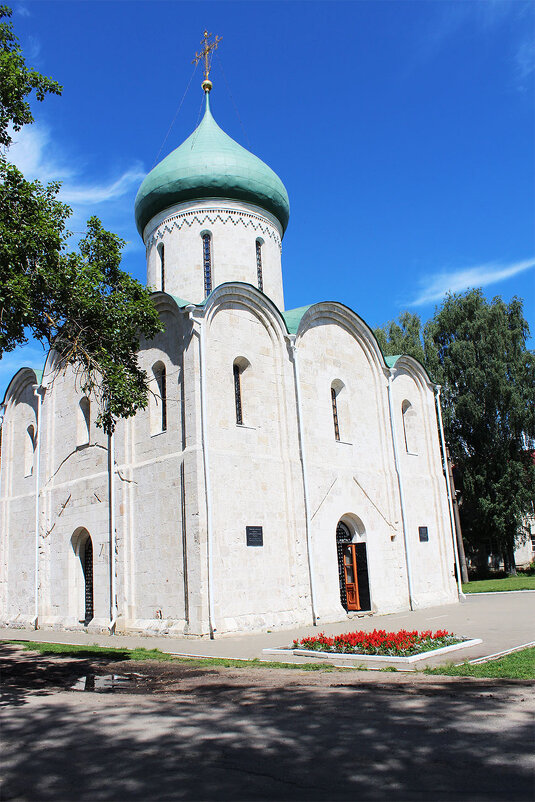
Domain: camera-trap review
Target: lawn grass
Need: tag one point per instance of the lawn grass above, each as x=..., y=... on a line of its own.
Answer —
x=520, y=582
x=518, y=665
x=94, y=652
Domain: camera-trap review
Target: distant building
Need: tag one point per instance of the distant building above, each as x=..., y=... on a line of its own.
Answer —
x=285, y=472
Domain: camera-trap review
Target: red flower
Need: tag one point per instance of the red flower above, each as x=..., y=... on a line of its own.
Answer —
x=378, y=641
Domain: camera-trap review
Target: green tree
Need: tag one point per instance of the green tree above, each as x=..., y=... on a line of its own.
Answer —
x=81, y=305
x=477, y=351
x=403, y=337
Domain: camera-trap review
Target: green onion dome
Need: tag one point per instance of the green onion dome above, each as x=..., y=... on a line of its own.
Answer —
x=209, y=164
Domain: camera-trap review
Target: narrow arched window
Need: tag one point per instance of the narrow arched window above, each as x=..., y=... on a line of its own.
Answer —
x=207, y=262
x=161, y=253
x=29, y=449
x=335, y=414
x=86, y=558
x=259, y=264
x=161, y=381
x=237, y=393
x=410, y=427
x=84, y=422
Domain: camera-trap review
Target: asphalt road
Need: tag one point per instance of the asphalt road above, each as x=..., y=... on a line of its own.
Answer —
x=187, y=733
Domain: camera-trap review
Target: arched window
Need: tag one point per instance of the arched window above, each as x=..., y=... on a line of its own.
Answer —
x=161, y=254
x=29, y=449
x=84, y=422
x=238, y=369
x=81, y=596
x=339, y=410
x=207, y=262
x=86, y=558
x=237, y=394
x=259, y=264
x=160, y=401
x=335, y=414
x=410, y=427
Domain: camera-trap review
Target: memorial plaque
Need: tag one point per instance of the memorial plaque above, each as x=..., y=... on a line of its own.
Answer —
x=255, y=536
x=424, y=535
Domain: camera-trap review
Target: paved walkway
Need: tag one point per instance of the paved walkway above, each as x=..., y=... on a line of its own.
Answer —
x=254, y=735
x=502, y=620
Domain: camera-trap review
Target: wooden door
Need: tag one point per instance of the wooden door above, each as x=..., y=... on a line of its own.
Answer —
x=363, y=582
x=350, y=576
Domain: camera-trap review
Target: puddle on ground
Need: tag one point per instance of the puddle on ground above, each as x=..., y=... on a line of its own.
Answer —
x=105, y=683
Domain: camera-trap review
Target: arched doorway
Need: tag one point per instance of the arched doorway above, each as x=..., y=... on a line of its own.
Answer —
x=352, y=570
x=86, y=558
x=81, y=577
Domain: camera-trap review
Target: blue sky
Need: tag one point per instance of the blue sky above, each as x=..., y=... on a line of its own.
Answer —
x=403, y=131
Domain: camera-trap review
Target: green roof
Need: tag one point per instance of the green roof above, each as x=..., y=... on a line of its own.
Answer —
x=391, y=360
x=210, y=164
x=180, y=302
x=292, y=318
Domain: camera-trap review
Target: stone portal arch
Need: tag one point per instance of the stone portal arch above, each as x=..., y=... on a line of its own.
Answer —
x=352, y=564
x=82, y=592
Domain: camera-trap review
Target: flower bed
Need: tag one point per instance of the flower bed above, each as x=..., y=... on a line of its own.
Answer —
x=380, y=642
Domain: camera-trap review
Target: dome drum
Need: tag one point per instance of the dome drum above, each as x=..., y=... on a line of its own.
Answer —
x=244, y=241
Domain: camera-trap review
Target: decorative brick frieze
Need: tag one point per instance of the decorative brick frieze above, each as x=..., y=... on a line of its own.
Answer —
x=210, y=216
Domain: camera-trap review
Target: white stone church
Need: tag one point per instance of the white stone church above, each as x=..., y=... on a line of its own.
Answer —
x=284, y=473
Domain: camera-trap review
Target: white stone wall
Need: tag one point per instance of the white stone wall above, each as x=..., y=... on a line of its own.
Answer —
x=255, y=475
x=17, y=503
x=255, y=469
x=423, y=480
x=525, y=544
x=234, y=228
x=150, y=470
x=352, y=479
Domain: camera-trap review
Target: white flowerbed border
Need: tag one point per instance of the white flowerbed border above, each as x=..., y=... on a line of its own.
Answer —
x=374, y=658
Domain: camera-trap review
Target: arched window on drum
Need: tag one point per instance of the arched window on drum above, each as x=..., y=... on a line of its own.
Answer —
x=161, y=256
x=207, y=261
x=259, y=268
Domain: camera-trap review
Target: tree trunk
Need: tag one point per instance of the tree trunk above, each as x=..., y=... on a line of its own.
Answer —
x=458, y=529
x=509, y=561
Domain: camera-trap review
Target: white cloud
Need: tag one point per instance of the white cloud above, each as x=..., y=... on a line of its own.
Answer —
x=509, y=19
x=33, y=151
x=99, y=193
x=435, y=287
x=525, y=61
x=32, y=48
x=21, y=10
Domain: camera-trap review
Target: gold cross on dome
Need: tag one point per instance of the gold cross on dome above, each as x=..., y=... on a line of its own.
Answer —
x=206, y=52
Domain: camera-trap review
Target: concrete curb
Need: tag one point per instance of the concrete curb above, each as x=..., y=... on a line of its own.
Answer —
x=494, y=592
x=496, y=656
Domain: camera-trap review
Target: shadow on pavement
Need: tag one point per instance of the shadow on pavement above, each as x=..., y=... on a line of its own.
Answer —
x=274, y=737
